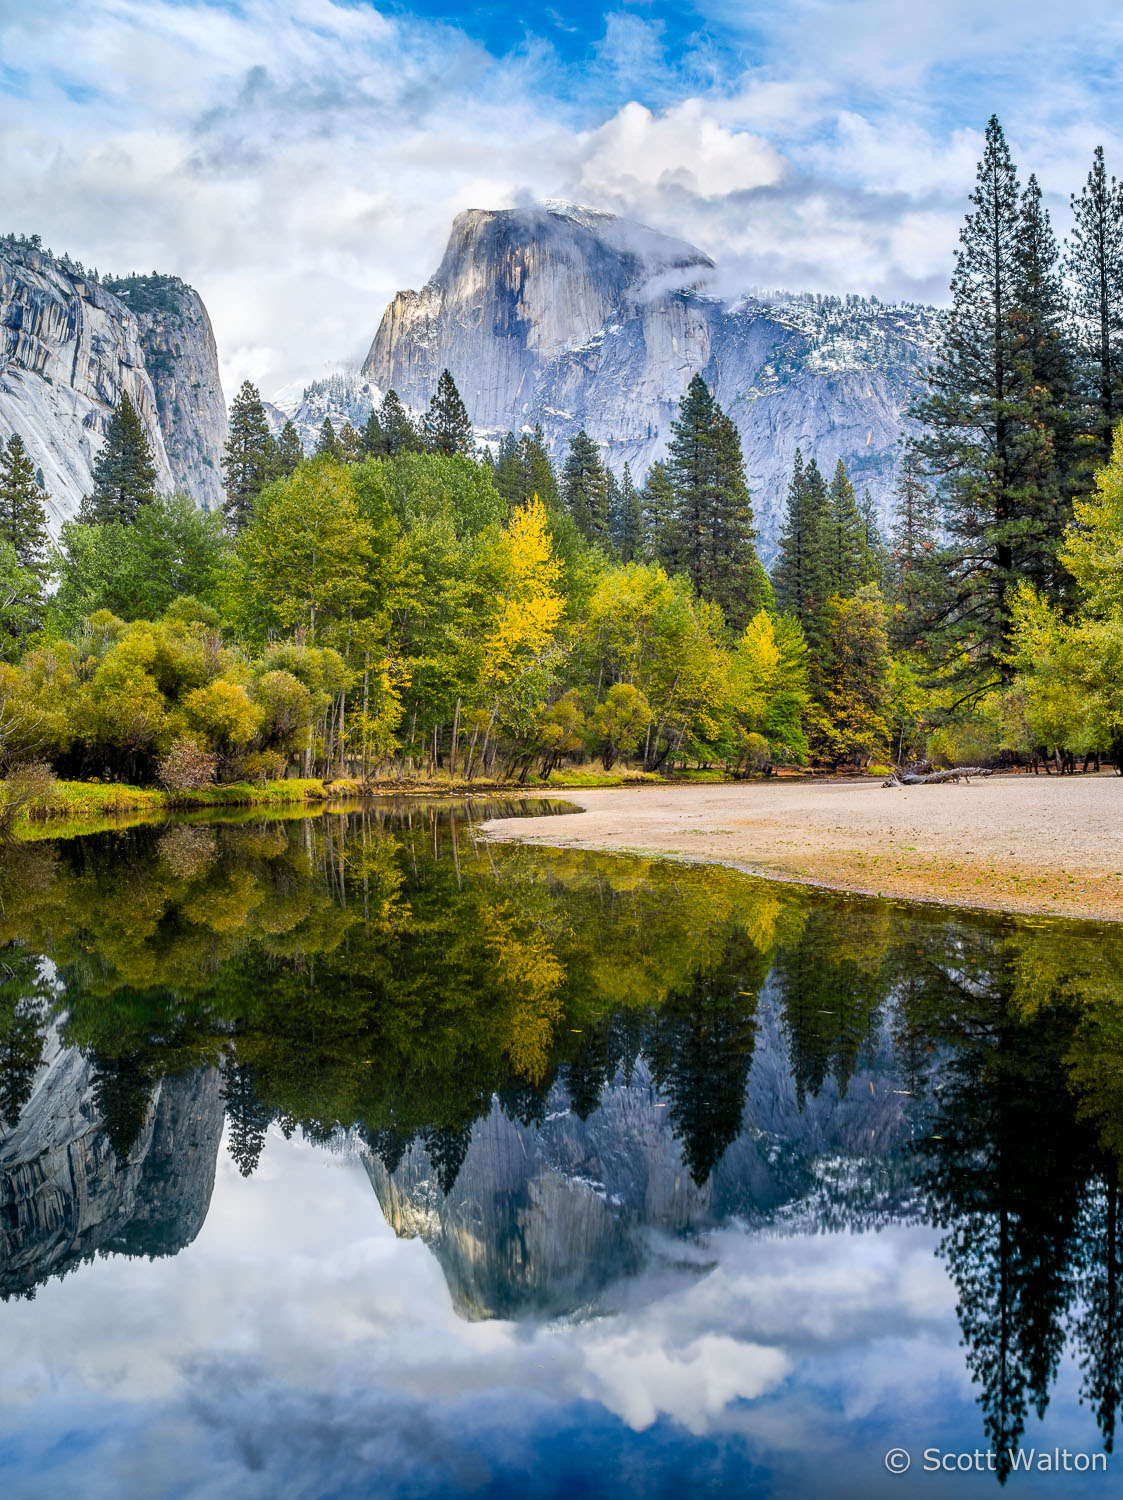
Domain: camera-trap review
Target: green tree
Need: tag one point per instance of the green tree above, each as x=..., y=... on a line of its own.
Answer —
x=250, y=457
x=124, y=472
x=448, y=428
x=799, y=575
x=852, y=723
x=626, y=520
x=1095, y=269
x=396, y=431
x=289, y=452
x=658, y=506
x=619, y=722
x=584, y=487
x=328, y=444
x=714, y=532
x=989, y=428
x=843, y=536
x=913, y=567
x=23, y=511
x=137, y=571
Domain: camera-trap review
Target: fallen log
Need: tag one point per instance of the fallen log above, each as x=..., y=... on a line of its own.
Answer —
x=956, y=773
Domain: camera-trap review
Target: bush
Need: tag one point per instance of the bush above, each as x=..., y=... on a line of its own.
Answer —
x=23, y=785
x=187, y=767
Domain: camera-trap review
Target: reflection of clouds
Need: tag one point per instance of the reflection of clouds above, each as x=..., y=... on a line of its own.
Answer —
x=297, y=1348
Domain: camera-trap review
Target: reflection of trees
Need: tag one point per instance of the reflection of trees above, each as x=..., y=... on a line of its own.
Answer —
x=701, y=1050
x=24, y=1000
x=835, y=977
x=387, y=974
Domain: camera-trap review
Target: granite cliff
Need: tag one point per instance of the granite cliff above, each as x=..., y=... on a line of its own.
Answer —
x=574, y=318
x=69, y=346
x=65, y=1196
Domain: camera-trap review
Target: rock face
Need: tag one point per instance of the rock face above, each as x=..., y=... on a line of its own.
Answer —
x=69, y=347
x=573, y=318
x=551, y=1219
x=63, y=1194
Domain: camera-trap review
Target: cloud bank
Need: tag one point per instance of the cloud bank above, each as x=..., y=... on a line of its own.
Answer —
x=299, y=162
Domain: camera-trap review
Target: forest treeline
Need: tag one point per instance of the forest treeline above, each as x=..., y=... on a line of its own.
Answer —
x=402, y=600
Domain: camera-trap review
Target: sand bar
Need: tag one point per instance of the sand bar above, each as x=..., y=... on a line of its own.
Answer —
x=1008, y=843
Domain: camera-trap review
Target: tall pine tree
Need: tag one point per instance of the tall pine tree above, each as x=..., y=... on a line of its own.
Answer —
x=714, y=531
x=327, y=442
x=626, y=520
x=124, y=472
x=290, y=451
x=584, y=488
x=447, y=426
x=658, y=504
x=1095, y=269
x=913, y=567
x=799, y=574
x=986, y=427
x=843, y=536
x=23, y=511
x=250, y=456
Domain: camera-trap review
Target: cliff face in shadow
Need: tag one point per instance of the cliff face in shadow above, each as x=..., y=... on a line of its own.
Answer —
x=65, y=1195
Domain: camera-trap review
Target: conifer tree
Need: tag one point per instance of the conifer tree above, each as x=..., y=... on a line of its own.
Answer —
x=1049, y=458
x=873, y=543
x=396, y=426
x=798, y=577
x=540, y=471
x=289, y=452
x=986, y=427
x=913, y=566
x=351, y=443
x=124, y=473
x=714, y=532
x=447, y=426
x=658, y=505
x=327, y=443
x=374, y=441
x=509, y=472
x=250, y=456
x=843, y=536
x=584, y=488
x=23, y=511
x=1095, y=269
x=626, y=520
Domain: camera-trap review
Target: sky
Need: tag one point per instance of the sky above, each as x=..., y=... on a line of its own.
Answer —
x=300, y=162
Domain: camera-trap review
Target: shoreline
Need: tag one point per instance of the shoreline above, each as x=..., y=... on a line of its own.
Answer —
x=1031, y=846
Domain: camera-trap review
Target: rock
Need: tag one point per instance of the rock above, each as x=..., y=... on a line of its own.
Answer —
x=64, y=1196
x=574, y=318
x=70, y=346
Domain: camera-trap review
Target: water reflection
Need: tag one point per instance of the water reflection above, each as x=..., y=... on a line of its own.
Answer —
x=563, y=1072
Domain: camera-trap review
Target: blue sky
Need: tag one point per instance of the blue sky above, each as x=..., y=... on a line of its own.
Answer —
x=299, y=162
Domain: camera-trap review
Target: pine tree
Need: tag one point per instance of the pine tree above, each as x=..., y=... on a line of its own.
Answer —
x=1095, y=268
x=626, y=520
x=396, y=426
x=584, y=488
x=873, y=543
x=658, y=503
x=540, y=471
x=447, y=427
x=327, y=442
x=913, y=567
x=23, y=511
x=374, y=440
x=843, y=537
x=509, y=474
x=250, y=457
x=1050, y=456
x=289, y=451
x=799, y=574
x=986, y=427
x=714, y=532
x=351, y=443
x=124, y=473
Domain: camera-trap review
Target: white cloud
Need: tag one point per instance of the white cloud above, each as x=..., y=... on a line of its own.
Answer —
x=299, y=162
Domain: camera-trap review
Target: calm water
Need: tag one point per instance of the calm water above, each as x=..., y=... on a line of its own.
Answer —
x=353, y=1156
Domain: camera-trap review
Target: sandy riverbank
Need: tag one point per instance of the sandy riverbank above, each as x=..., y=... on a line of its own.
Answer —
x=1009, y=843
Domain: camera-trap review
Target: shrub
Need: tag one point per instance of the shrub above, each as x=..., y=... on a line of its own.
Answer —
x=187, y=767
x=24, y=783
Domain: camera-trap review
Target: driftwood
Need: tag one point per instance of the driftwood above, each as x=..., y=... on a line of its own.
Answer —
x=957, y=773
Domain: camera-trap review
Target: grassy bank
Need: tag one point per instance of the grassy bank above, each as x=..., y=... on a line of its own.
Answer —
x=68, y=808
